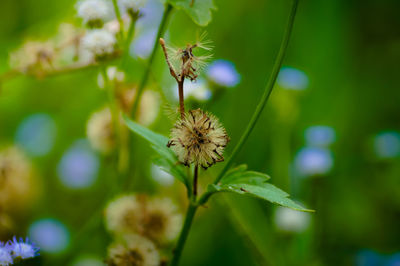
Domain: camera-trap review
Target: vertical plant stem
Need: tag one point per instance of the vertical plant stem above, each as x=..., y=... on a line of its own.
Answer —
x=181, y=97
x=195, y=177
x=267, y=91
x=119, y=18
x=191, y=211
x=146, y=74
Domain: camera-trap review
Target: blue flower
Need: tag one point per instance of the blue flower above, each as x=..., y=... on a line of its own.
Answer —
x=223, y=72
x=291, y=78
x=22, y=249
x=5, y=256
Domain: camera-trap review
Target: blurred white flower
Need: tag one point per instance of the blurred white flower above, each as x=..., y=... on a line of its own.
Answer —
x=100, y=43
x=387, y=144
x=133, y=250
x=94, y=12
x=289, y=220
x=320, y=136
x=50, y=235
x=311, y=161
x=223, y=73
x=292, y=79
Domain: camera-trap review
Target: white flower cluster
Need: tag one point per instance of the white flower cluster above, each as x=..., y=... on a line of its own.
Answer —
x=99, y=42
x=94, y=12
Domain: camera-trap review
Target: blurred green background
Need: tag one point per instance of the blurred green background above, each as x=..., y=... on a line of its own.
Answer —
x=341, y=72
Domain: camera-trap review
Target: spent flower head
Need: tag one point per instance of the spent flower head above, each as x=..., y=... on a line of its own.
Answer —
x=183, y=63
x=133, y=250
x=198, y=138
x=94, y=12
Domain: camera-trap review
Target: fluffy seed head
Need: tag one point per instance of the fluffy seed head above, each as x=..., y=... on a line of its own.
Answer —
x=133, y=250
x=162, y=220
x=198, y=138
x=123, y=215
x=94, y=12
x=157, y=219
x=101, y=43
x=100, y=131
x=183, y=63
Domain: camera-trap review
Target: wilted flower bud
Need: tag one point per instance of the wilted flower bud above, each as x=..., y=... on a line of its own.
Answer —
x=94, y=12
x=198, y=138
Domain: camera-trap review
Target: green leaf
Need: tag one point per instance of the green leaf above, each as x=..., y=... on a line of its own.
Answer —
x=199, y=12
x=240, y=175
x=241, y=181
x=167, y=160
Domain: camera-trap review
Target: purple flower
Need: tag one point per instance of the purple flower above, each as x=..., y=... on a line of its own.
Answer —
x=22, y=249
x=5, y=256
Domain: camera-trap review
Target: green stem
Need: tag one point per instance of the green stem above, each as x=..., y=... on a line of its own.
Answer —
x=131, y=31
x=267, y=91
x=119, y=18
x=191, y=211
x=146, y=74
x=115, y=120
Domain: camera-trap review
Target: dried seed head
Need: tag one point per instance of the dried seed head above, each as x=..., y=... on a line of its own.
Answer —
x=133, y=250
x=183, y=63
x=198, y=138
